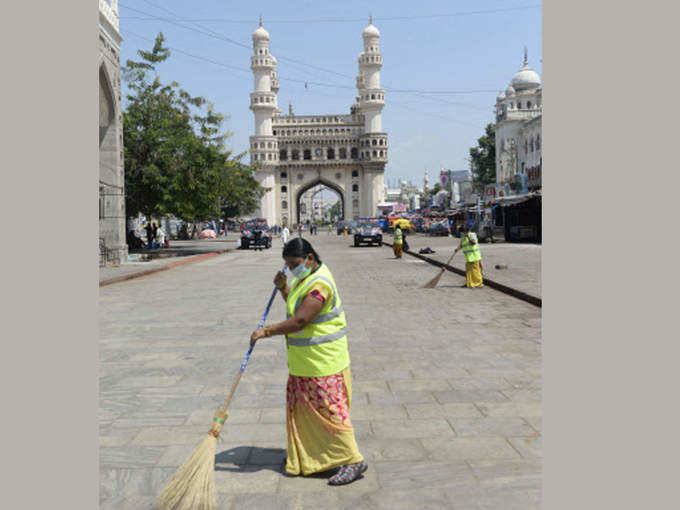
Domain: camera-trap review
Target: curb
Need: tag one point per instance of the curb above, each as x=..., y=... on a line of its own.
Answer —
x=188, y=260
x=536, y=301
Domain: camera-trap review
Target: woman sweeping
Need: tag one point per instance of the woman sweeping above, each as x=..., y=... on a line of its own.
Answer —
x=320, y=435
x=473, y=258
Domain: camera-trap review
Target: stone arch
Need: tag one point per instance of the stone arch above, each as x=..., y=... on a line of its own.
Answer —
x=107, y=104
x=338, y=189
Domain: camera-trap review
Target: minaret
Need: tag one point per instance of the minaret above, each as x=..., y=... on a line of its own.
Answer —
x=371, y=96
x=263, y=98
x=263, y=145
x=426, y=182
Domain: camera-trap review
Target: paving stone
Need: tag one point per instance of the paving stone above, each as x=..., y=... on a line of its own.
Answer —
x=375, y=412
x=260, y=502
x=116, y=436
x=417, y=385
x=240, y=416
x=455, y=396
x=524, y=472
x=432, y=427
x=391, y=499
x=528, y=447
x=490, y=427
x=132, y=483
x=386, y=398
x=475, y=383
x=510, y=409
x=273, y=415
x=468, y=448
x=129, y=456
x=378, y=449
x=247, y=478
x=485, y=499
x=423, y=475
x=523, y=395
x=317, y=501
x=457, y=410
x=536, y=422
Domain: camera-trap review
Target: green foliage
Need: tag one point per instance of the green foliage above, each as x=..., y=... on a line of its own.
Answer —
x=175, y=157
x=483, y=158
x=335, y=211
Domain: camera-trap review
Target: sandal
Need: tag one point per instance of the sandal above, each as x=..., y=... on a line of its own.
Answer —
x=348, y=473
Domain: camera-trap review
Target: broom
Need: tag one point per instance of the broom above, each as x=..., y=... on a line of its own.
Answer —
x=434, y=281
x=192, y=487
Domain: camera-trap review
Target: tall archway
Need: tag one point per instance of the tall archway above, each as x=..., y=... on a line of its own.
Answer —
x=107, y=109
x=334, y=187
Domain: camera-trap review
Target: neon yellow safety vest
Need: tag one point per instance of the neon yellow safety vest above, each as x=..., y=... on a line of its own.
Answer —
x=471, y=251
x=320, y=348
x=398, y=236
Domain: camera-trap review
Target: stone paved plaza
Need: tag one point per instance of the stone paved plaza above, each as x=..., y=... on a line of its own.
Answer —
x=447, y=385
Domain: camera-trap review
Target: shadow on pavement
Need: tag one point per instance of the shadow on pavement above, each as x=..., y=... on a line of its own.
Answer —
x=250, y=459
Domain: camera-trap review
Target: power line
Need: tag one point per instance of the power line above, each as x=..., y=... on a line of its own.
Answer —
x=356, y=20
x=215, y=62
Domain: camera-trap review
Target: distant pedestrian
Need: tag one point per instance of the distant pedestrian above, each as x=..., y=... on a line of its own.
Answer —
x=345, y=231
x=330, y=228
x=149, y=235
x=299, y=229
x=397, y=240
x=154, y=229
x=284, y=234
x=161, y=237
x=473, y=258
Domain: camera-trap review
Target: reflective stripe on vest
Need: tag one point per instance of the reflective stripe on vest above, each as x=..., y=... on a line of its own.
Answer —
x=306, y=341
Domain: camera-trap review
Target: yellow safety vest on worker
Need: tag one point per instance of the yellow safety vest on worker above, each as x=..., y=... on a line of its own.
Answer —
x=320, y=348
x=471, y=251
x=398, y=236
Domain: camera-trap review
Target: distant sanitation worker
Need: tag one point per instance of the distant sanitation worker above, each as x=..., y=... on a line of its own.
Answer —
x=397, y=241
x=473, y=258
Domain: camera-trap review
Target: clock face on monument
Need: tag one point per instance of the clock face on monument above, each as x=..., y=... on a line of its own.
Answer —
x=318, y=152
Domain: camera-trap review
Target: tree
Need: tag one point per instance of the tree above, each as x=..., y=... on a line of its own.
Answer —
x=175, y=159
x=483, y=159
x=335, y=210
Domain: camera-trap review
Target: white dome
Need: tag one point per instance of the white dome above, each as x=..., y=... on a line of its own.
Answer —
x=526, y=79
x=370, y=31
x=510, y=91
x=501, y=96
x=260, y=34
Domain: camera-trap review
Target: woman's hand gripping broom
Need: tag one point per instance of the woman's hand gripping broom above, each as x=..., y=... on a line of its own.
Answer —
x=193, y=485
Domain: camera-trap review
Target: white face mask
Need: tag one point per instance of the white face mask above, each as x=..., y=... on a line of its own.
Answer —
x=301, y=271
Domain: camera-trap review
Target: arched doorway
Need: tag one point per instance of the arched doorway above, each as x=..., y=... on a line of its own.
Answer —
x=313, y=209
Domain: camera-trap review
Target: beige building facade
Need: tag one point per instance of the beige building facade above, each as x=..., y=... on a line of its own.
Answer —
x=113, y=247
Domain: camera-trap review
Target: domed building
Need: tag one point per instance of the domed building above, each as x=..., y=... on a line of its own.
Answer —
x=345, y=152
x=519, y=113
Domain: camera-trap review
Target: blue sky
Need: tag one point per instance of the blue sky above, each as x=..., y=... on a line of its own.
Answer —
x=471, y=52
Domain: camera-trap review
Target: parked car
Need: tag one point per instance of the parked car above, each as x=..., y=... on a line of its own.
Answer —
x=367, y=232
x=255, y=235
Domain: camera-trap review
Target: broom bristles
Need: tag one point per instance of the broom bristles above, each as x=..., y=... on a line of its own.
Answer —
x=192, y=487
x=434, y=281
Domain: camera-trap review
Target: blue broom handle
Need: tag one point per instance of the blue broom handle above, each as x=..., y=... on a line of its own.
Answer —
x=264, y=318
